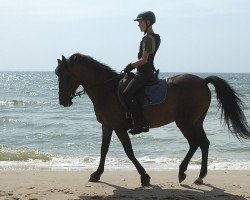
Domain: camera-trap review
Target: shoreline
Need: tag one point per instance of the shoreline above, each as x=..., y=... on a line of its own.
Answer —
x=122, y=184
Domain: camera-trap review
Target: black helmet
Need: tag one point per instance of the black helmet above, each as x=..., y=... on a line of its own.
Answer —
x=147, y=15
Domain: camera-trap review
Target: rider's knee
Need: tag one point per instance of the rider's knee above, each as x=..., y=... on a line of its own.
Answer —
x=126, y=95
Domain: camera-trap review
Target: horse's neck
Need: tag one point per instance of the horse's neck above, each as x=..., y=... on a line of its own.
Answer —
x=95, y=97
x=99, y=88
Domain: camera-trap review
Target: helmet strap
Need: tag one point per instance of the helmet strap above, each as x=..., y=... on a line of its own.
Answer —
x=147, y=26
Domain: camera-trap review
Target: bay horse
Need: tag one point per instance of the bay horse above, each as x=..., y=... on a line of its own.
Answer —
x=187, y=103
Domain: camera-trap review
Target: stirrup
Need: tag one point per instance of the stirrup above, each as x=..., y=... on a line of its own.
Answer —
x=138, y=130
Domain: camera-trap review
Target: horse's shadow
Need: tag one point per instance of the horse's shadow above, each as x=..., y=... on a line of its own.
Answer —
x=156, y=192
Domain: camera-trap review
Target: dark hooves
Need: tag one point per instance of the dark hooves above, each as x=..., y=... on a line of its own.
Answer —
x=198, y=181
x=145, y=180
x=182, y=177
x=94, y=177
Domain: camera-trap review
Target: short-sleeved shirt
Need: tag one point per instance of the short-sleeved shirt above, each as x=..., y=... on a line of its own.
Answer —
x=148, y=44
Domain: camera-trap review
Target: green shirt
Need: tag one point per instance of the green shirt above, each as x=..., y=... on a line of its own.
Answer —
x=148, y=44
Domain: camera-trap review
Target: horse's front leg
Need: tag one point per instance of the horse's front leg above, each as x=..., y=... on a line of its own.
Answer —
x=126, y=143
x=106, y=137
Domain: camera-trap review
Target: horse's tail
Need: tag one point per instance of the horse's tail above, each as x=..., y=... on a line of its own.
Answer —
x=231, y=106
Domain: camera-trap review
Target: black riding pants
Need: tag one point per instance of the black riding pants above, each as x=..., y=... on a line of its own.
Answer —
x=129, y=97
x=134, y=85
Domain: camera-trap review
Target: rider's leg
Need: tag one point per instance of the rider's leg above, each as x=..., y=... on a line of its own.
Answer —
x=140, y=123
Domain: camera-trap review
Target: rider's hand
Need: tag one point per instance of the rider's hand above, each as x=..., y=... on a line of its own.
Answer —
x=128, y=68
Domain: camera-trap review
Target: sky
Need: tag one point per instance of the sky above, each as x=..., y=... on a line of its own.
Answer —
x=197, y=35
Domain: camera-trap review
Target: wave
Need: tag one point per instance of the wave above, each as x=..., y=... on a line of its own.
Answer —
x=23, y=102
x=22, y=154
x=25, y=158
x=8, y=120
x=13, y=102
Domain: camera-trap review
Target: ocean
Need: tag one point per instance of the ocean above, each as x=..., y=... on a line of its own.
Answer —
x=37, y=133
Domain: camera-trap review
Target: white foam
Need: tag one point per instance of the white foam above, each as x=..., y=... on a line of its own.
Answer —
x=87, y=163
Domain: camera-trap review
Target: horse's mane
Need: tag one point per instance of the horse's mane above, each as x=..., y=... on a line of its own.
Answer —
x=89, y=61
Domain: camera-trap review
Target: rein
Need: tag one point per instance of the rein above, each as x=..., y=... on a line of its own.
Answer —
x=82, y=92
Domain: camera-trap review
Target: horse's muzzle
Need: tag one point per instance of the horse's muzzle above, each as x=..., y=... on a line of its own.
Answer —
x=66, y=104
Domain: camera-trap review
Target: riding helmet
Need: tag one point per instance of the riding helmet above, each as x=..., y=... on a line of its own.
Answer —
x=147, y=15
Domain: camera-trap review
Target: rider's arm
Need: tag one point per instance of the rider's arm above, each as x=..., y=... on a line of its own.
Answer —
x=142, y=61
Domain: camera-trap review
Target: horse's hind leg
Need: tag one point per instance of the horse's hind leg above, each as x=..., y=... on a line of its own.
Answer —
x=189, y=133
x=204, y=149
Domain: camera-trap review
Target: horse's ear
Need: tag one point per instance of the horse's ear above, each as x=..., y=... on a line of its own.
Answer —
x=64, y=60
x=59, y=61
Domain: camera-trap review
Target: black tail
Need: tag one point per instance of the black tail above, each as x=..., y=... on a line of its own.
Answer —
x=231, y=106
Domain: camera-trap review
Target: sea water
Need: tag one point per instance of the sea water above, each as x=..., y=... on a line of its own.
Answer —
x=36, y=132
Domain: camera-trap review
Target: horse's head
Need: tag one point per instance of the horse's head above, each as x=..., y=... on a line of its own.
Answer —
x=66, y=81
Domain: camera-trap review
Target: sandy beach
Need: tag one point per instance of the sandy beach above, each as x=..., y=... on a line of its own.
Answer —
x=74, y=185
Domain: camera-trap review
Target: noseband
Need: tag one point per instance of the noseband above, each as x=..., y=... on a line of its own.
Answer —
x=79, y=94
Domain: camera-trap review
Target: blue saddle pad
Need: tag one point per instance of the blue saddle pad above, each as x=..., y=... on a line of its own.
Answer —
x=155, y=94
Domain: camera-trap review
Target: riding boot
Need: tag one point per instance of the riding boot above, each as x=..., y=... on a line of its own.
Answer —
x=139, y=122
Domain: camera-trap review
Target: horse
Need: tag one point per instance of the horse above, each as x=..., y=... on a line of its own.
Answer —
x=186, y=104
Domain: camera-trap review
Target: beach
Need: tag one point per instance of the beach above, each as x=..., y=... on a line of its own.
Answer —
x=48, y=151
x=122, y=184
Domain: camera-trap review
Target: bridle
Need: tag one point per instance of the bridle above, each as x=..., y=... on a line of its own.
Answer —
x=82, y=92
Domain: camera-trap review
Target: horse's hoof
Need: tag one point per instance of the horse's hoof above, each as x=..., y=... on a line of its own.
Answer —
x=94, y=177
x=198, y=181
x=145, y=180
x=182, y=177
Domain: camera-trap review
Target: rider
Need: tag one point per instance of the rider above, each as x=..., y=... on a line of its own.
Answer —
x=145, y=70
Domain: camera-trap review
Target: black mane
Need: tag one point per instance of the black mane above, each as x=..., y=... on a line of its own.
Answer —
x=89, y=61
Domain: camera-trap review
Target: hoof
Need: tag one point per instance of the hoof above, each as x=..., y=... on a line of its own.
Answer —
x=198, y=181
x=94, y=177
x=145, y=180
x=182, y=177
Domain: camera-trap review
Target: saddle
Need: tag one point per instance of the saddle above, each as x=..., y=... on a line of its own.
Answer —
x=153, y=93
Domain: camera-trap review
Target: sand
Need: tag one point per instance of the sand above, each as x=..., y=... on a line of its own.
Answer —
x=74, y=185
